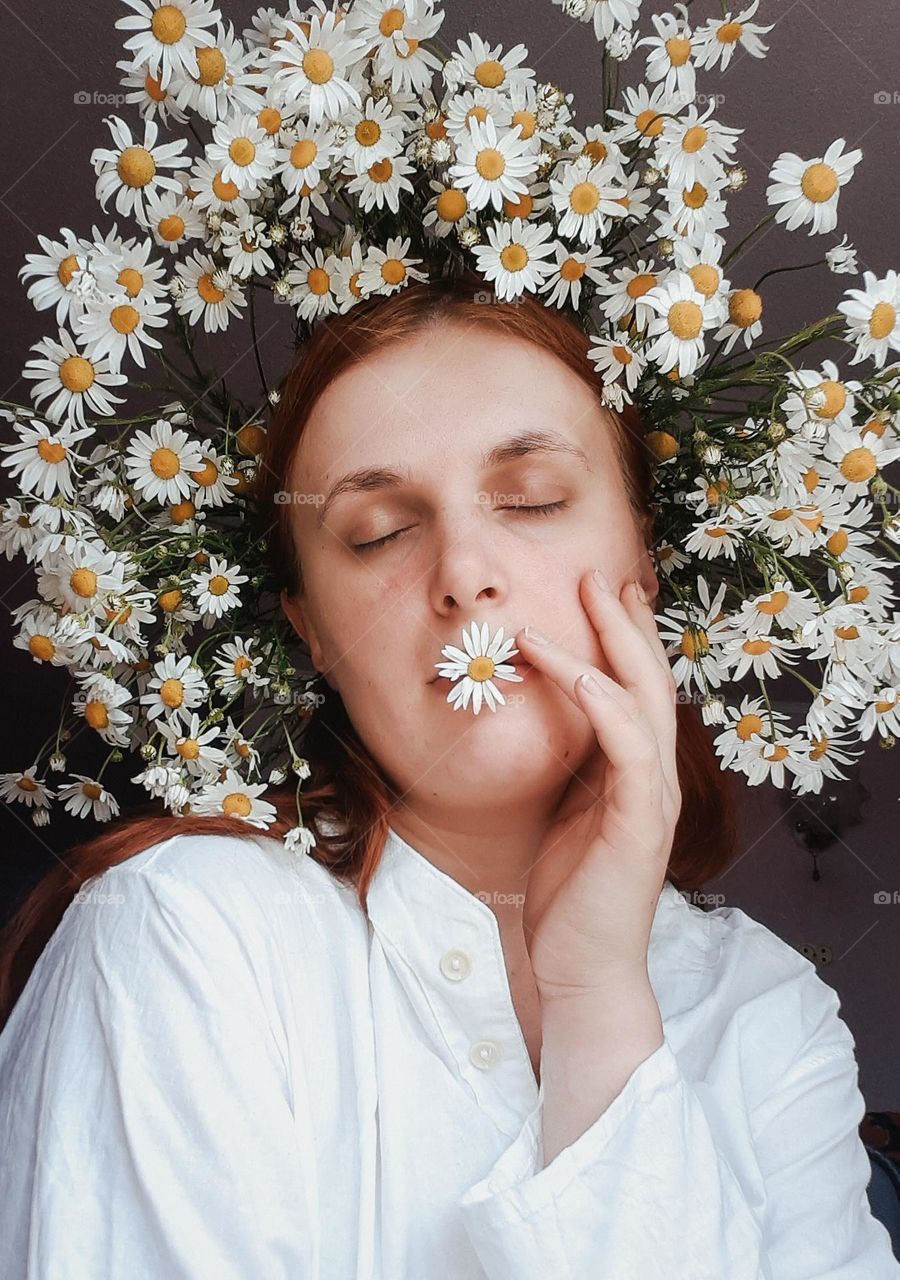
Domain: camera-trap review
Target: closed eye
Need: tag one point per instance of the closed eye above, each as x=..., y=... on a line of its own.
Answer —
x=547, y=509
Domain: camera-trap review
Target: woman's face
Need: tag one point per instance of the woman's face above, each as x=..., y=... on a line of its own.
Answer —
x=430, y=409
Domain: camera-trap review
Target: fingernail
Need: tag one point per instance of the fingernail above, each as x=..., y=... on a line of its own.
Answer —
x=536, y=637
x=601, y=580
x=641, y=593
x=589, y=683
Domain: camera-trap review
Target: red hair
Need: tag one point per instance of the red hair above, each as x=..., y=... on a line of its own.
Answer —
x=345, y=783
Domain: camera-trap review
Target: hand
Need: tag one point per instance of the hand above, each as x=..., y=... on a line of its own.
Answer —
x=595, y=883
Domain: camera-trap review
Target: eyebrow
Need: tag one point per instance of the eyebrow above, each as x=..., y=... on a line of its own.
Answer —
x=367, y=479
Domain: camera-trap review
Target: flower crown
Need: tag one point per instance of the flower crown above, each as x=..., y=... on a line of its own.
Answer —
x=332, y=155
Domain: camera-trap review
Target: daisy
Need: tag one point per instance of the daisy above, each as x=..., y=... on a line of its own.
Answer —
x=745, y=308
x=873, y=317
x=795, y=527
x=132, y=170
x=768, y=761
x=476, y=104
x=711, y=539
x=882, y=714
x=395, y=37
x=669, y=559
x=703, y=264
x=214, y=488
x=856, y=459
x=210, y=193
x=43, y=458
x=158, y=462
x=764, y=655
x=221, y=79
x=491, y=167
x=244, y=244
x=644, y=116
x=73, y=380
x=63, y=276
x=692, y=147
x=303, y=157
x=585, y=198
x=42, y=636
x=375, y=133
x=26, y=788
x=868, y=586
x=750, y=722
x=695, y=634
x=382, y=183
x=240, y=751
x=314, y=284
x=81, y=577
x=236, y=667
x=143, y=90
x=174, y=689
x=448, y=210
x=564, y=285
x=842, y=259
x=126, y=265
x=822, y=400
x=299, y=839
x=216, y=589
x=676, y=333
x=845, y=634
x=243, y=153
x=783, y=604
x=669, y=59
x=490, y=68
x=209, y=291
x=716, y=41
x=313, y=67
x=118, y=324
x=194, y=749
x=692, y=212
x=616, y=362
x=167, y=34
x=99, y=702
x=612, y=16
x=387, y=271
x=514, y=258
x=478, y=667
x=88, y=796
x=823, y=755
x=235, y=798
x=808, y=190
x=623, y=297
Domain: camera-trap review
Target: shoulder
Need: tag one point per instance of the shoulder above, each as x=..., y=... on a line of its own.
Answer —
x=763, y=1002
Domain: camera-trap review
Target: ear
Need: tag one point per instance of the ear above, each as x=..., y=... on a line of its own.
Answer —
x=296, y=615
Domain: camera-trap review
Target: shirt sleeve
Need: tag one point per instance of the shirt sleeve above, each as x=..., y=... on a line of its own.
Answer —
x=145, y=1122
x=658, y=1186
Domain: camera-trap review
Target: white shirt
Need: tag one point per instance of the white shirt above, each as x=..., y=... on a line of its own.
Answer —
x=219, y=1070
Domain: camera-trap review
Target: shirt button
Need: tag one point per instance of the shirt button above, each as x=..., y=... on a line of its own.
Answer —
x=456, y=965
x=485, y=1054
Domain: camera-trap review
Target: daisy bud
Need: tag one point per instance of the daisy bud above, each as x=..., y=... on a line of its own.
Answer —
x=57, y=762
x=442, y=151
x=845, y=571
x=274, y=397
x=878, y=488
x=277, y=232
x=276, y=777
x=886, y=743
x=891, y=528
x=736, y=177
x=620, y=45
x=776, y=432
x=712, y=710
x=40, y=817
x=711, y=454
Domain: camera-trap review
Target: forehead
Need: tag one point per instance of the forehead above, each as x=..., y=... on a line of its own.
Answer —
x=442, y=396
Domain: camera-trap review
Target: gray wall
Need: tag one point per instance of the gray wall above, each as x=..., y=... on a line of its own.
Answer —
x=828, y=64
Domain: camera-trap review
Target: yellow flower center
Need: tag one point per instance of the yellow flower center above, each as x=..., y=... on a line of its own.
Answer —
x=96, y=714
x=747, y=726
x=241, y=665
x=838, y=542
x=189, y=749
x=391, y=20
x=776, y=602
x=756, y=647
x=694, y=643
x=490, y=163
x=242, y=151
x=165, y=463
x=208, y=473
x=527, y=120
x=172, y=228
x=168, y=24
x=694, y=139
x=136, y=167
x=819, y=183
x=26, y=784
x=318, y=66
x=210, y=66
x=491, y=73
x=124, y=318
x=76, y=374
x=172, y=692
x=382, y=170
x=51, y=451
x=226, y=191
x=745, y=307
x=236, y=804
x=481, y=668
x=250, y=439
x=882, y=320
x=368, y=132
x=208, y=291
x=661, y=444
x=67, y=269
x=639, y=285
x=451, y=205
x=886, y=704
x=514, y=257
x=858, y=465
x=705, y=277
x=729, y=32
x=572, y=269
x=649, y=123
x=303, y=153
x=696, y=196
x=392, y=271
x=91, y=790
x=83, y=582
x=584, y=198
x=679, y=50
x=685, y=319
x=179, y=512
x=218, y=585
x=42, y=647
x=169, y=601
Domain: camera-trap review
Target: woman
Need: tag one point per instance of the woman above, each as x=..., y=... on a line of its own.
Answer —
x=477, y=1030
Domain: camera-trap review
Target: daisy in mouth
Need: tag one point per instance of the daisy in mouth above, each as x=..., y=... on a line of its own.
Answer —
x=478, y=667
